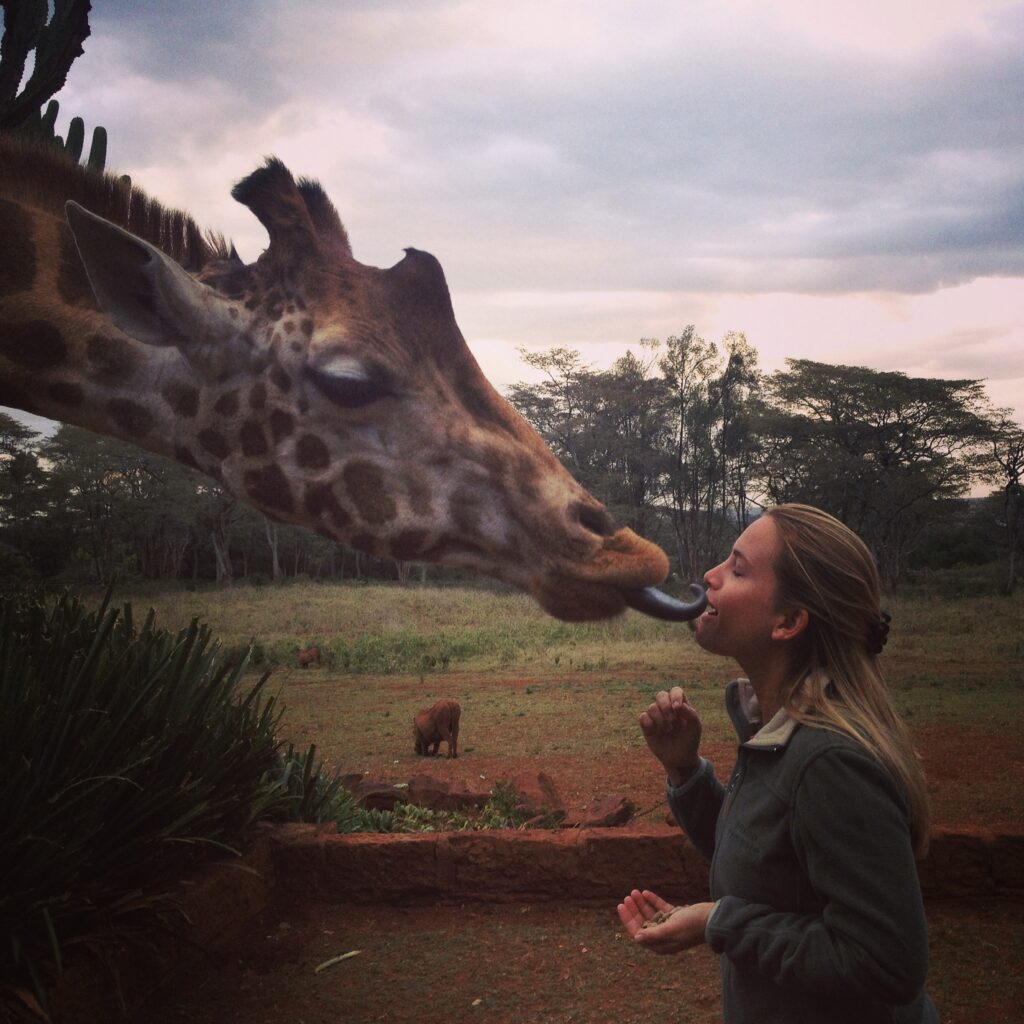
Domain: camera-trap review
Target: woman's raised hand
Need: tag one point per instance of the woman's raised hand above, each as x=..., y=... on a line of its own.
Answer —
x=672, y=730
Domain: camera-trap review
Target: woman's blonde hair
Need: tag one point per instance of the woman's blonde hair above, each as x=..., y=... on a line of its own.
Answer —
x=825, y=568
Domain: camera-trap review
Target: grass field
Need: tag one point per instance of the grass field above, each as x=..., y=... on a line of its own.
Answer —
x=538, y=694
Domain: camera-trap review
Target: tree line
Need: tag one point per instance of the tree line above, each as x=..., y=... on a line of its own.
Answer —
x=685, y=441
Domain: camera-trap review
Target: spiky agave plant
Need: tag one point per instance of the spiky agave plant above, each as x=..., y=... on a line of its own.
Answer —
x=124, y=751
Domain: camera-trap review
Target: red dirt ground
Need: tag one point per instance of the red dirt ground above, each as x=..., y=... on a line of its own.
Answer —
x=554, y=962
x=529, y=964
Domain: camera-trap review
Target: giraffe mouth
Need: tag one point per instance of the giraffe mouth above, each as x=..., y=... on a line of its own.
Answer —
x=659, y=605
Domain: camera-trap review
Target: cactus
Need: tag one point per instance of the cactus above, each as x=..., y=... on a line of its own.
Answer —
x=42, y=127
x=76, y=139
x=98, y=149
x=56, y=43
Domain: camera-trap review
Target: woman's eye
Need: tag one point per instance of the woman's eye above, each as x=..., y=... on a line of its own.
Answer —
x=351, y=389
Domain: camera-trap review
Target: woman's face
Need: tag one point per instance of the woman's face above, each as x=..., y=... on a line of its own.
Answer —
x=742, y=607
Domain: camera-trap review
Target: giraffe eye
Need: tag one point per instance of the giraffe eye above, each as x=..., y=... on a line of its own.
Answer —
x=348, y=383
x=350, y=390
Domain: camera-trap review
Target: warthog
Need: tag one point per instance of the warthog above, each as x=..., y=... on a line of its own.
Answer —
x=310, y=656
x=441, y=722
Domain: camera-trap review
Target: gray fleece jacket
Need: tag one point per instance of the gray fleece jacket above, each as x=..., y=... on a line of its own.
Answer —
x=819, y=918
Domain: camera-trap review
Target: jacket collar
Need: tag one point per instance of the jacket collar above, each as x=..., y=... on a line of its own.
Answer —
x=745, y=713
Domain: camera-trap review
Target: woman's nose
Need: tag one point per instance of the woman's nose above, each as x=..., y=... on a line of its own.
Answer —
x=711, y=576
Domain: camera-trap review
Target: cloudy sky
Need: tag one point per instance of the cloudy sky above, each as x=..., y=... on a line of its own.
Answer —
x=841, y=180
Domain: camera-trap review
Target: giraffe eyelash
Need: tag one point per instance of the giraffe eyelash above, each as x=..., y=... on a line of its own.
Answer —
x=352, y=388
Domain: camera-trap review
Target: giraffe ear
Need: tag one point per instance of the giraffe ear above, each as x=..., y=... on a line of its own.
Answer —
x=153, y=300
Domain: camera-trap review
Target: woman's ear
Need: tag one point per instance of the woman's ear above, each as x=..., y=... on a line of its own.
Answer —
x=790, y=624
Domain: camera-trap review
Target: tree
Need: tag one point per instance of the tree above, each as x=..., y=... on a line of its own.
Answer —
x=709, y=395
x=561, y=408
x=629, y=437
x=1007, y=451
x=879, y=450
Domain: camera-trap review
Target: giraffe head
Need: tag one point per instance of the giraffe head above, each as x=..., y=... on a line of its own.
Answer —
x=344, y=398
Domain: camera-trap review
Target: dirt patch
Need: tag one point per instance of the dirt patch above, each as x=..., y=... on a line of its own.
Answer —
x=570, y=960
x=529, y=964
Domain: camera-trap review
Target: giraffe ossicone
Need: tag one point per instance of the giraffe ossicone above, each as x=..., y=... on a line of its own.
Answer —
x=323, y=392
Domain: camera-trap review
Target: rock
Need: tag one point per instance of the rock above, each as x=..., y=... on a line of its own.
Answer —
x=537, y=794
x=377, y=796
x=605, y=812
x=427, y=790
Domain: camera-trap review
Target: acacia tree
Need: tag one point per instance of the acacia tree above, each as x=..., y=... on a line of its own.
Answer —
x=709, y=395
x=630, y=437
x=879, y=450
x=691, y=483
x=607, y=427
x=1007, y=451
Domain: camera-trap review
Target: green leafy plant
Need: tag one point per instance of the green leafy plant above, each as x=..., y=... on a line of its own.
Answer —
x=125, y=751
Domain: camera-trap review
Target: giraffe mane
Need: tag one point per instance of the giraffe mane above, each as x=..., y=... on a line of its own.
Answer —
x=46, y=178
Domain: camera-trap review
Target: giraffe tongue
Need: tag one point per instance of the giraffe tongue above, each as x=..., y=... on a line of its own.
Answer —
x=653, y=602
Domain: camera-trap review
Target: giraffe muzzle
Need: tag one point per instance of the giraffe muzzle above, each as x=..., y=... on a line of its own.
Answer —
x=658, y=605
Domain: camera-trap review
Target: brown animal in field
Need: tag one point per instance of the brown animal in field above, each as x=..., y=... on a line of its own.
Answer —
x=441, y=722
x=310, y=656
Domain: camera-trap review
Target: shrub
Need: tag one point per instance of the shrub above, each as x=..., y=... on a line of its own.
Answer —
x=125, y=752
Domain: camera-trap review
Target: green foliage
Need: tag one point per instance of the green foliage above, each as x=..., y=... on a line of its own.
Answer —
x=500, y=811
x=125, y=751
x=313, y=796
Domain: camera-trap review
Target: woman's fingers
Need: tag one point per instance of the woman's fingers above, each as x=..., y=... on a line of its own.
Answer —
x=654, y=900
x=666, y=713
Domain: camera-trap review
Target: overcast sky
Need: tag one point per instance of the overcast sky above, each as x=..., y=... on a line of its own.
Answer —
x=841, y=181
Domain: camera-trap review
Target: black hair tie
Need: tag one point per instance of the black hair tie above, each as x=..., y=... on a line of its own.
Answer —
x=878, y=633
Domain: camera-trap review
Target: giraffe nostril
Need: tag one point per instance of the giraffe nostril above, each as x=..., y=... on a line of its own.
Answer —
x=594, y=518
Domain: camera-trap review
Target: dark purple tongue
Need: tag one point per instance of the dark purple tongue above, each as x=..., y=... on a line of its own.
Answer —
x=653, y=602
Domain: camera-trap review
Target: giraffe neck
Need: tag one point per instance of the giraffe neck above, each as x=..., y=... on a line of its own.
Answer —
x=60, y=357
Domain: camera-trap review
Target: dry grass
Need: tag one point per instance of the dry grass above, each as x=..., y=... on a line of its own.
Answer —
x=540, y=694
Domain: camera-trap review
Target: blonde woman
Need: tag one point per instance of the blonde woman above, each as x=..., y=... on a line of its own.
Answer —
x=817, y=912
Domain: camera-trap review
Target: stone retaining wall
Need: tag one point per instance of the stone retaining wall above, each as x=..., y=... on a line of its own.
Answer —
x=574, y=864
x=308, y=862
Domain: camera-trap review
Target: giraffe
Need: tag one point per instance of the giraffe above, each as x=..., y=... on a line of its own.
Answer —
x=321, y=391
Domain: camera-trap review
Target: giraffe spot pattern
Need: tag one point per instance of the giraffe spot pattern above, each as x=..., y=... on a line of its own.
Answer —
x=132, y=418
x=258, y=396
x=419, y=499
x=365, y=485
x=281, y=379
x=214, y=443
x=252, y=438
x=18, y=253
x=15, y=398
x=281, y=425
x=320, y=500
x=368, y=543
x=182, y=398
x=268, y=486
x=312, y=453
x=227, y=404
x=464, y=511
x=186, y=458
x=66, y=393
x=409, y=543
x=110, y=357
x=72, y=281
x=34, y=345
